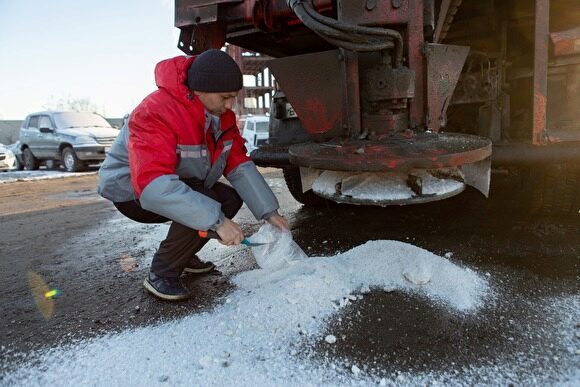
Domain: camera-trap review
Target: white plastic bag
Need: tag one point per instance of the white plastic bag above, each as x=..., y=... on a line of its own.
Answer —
x=279, y=248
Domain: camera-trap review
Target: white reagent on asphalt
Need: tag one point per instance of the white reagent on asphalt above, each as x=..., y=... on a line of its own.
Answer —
x=257, y=335
x=14, y=176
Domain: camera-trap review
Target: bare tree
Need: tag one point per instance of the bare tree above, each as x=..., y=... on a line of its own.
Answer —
x=79, y=104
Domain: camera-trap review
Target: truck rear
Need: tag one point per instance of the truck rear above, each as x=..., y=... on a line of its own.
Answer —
x=386, y=102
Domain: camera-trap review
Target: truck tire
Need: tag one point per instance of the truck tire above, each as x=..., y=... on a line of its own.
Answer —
x=31, y=163
x=553, y=189
x=294, y=183
x=70, y=161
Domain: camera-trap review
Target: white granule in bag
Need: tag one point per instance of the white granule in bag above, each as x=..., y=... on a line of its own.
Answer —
x=278, y=250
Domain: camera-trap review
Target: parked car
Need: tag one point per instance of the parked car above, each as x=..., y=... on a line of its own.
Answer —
x=256, y=131
x=16, y=149
x=75, y=139
x=7, y=159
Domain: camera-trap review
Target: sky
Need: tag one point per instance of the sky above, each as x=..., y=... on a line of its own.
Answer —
x=103, y=50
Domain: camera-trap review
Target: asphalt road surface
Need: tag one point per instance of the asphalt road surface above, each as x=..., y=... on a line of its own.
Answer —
x=61, y=232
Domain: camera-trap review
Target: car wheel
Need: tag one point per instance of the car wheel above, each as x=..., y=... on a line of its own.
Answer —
x=30, y=162
x=70, y=161
x=19, y=165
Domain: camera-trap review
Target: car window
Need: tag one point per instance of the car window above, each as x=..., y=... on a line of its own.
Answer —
x=44, y=122
x=79, y=120
x=33, y=122
x=262, y=127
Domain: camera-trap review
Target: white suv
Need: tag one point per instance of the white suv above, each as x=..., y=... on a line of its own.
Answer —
x=75, y=139
x=7, y=159
x=256, y=131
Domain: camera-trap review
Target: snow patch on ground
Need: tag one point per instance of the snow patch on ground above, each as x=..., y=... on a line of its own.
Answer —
x=254, y=337
x=11, y=177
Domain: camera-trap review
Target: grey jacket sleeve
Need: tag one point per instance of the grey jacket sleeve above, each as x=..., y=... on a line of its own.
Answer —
x=170, y=197
x=114, y=174
x=253, y=190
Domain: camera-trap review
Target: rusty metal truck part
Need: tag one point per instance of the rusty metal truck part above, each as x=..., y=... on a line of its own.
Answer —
x=424, y=151
x=367, y=74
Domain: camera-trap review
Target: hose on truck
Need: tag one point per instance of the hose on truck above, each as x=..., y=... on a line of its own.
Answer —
x=348, y=36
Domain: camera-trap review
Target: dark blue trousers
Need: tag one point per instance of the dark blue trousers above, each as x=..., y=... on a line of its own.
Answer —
x=182, y=242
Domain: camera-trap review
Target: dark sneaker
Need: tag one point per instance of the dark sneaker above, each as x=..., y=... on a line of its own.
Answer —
x=166, y=288
x=195, y=266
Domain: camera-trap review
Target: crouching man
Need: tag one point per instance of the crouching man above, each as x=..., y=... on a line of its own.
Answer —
x=166, y=162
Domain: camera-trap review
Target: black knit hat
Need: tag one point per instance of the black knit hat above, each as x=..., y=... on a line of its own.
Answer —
x=214, y=71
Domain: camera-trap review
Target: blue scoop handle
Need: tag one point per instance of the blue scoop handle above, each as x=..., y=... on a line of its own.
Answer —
x=210, y=234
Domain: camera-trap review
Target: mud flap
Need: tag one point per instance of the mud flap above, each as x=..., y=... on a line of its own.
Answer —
x=478, y=175
x=308, y=176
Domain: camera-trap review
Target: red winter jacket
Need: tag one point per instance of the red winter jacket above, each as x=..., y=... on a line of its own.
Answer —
x=169, y=138
x=170, y=119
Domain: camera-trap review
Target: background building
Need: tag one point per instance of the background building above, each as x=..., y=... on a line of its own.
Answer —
x=259, y=84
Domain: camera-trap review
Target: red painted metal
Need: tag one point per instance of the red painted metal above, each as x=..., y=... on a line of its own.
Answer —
x=313, y=84
x=447, y=13
x=416, y=62
x=541, y=40
x=274, y=11
x=351, y=119
x=381, y=125
x=351, y=94
x=375, y=13
x=202, y=3
x=566, y=42
x=187, y=13
x=266, y=14
x=443, y=9
x=241, y=12
x=424, y=151
x=444, y=64
x=325, y=92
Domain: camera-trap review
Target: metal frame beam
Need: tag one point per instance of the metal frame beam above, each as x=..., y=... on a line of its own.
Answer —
x=541, y=40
